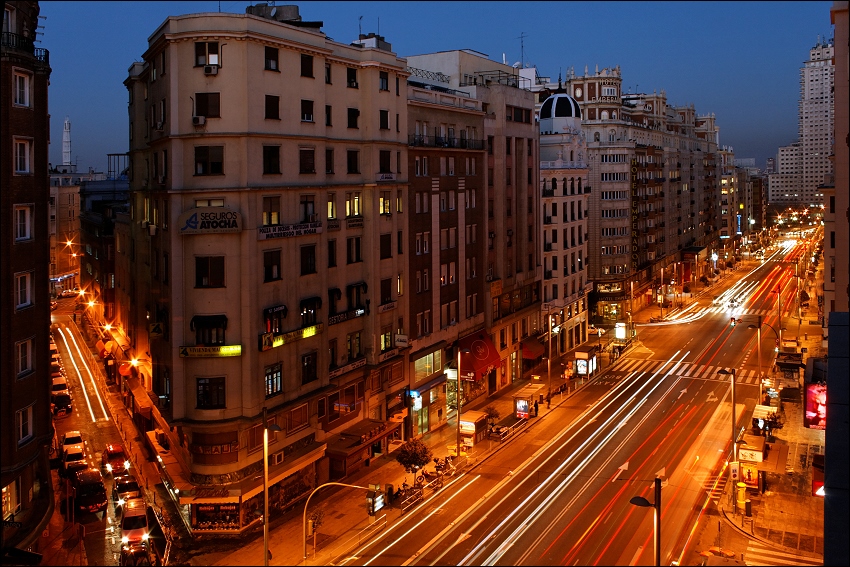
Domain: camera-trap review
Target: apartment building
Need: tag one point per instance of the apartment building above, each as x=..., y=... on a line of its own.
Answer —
x=27, y=427
x=446, y=240
x=268, y=177
x=565, y=192
x=512, y=265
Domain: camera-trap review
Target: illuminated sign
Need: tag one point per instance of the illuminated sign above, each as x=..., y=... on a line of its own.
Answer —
x=815, y=416
x=269, y=341
x=210, y=351
x=287, y=230
x=209, y=220
x=620, y=331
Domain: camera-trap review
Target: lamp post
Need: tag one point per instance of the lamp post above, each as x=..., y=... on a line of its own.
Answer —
x=662, y=292
x=266, y=429
x=644, y=503
x=760, y=324
x=459, y=352
x=734, y=435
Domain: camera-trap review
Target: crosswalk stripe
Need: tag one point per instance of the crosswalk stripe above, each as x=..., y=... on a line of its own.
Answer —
x=687, y=370
x=759, y=554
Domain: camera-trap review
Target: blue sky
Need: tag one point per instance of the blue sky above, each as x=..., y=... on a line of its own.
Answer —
x=738, y=60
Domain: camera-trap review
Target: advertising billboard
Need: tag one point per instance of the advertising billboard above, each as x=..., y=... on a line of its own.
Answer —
x=815, y=416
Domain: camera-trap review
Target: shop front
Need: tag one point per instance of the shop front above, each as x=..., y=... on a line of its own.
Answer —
x=479, y=362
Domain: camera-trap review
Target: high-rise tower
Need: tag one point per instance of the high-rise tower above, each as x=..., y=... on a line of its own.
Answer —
x=66, y=142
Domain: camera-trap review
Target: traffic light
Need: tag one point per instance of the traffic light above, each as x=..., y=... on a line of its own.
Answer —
x=733, y=321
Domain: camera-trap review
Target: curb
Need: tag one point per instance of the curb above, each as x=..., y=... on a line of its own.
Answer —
x=767, y=542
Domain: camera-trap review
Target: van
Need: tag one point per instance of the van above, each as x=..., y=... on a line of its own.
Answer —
x=134, y=521
x=89, y=491
x=60, y=384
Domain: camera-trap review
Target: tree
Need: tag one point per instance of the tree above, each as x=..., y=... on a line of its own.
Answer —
x=492, y=414
x=686, y=289
x=316, y=519
x=413, y=455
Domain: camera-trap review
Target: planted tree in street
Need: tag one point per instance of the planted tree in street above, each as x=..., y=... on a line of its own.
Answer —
x=413, y=455
x=492, y=414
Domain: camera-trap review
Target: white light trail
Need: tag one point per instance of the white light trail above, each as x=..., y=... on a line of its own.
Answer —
x=82, y=384
x=91, y=376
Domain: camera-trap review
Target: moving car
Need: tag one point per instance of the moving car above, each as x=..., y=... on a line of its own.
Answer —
x=114, y=460
x=89, y=491
x=134, y=521
x=73, y=459
x=54, y=305
x=124, y=487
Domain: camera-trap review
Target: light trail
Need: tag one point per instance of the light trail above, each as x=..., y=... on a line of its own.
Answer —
x=82, y=384
x=91, y=376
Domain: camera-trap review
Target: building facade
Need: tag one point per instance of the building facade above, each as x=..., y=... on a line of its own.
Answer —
x=238, y=219
x=27, y=429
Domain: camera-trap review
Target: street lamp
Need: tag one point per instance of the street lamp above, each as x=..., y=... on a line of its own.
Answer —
x=714, y=259
x=644, y=503
x=734, y=434
x=266, y=429
x=459, y=352
x=760, y=324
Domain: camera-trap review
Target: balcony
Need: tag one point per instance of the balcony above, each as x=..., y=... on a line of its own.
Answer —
x=547, y=220
x=547, y=275
x=425, y=141
x=547, y=246
x=23, y=44
x=548, y=192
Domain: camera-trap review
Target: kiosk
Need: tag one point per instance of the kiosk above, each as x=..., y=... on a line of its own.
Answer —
x=524, y=399
x=473, y=428
x=585, y=362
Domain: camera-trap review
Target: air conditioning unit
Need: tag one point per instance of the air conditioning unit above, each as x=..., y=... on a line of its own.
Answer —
x=276, y=458
x=210, y=69
x=145, y=224
x=199, y=120
x=313, y=218
x=352, y=84
x=160, y=126
x=161, y=179
x=152, y=229
x=488, y=278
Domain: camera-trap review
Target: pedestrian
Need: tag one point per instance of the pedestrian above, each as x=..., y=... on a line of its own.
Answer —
x=535, y=408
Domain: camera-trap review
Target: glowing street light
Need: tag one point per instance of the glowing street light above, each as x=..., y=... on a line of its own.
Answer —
x=656, y=506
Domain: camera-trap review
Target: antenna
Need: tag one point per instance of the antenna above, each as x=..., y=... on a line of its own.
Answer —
x=379, y=25
x=359, y=27
x=522, y=48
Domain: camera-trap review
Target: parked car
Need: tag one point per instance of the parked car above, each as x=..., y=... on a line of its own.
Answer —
x=114, y=460
x=69, y=438
x=136, y=554
x=68, y=293
x=54, y=305
x=60, y=384
x=124, y=487
x=134, y=521
x=61, y=403
x=73, y=460
x=89, y=491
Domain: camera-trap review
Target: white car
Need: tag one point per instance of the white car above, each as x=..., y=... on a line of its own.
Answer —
x=69, y=438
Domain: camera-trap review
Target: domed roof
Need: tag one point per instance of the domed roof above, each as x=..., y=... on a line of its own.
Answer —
x=560, y=106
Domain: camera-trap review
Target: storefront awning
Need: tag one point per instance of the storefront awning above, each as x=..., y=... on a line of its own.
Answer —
x=482, y=358
x=357, y=436
x=532, y=348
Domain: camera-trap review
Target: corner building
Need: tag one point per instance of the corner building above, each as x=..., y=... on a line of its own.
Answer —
x=268, y=181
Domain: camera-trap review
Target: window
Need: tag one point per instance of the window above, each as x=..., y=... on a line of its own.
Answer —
x=328, y=115
x=23, y=222
x=386, y=291
x=271, y=265
x=384, y=203
x=385, y=119
x=308, y=259
x=306, y=111
x=353, y=346
x=274, y=380
x=23, y=357
x=271, y=59
x=271, y=211
x=209, y=271
x=23, y=426
x=309, y=373
x=353, y=250
x=331, y=253
x=208, y=104
x=331, y=205
x=353, y=161
x=327, y=73
x=23, y=158
x=309, y=311
x=206, y=53
x=383, y=81
x=307, y=160
x=329, y=162
x=211, y=393
x=386, y=246
x=209, y=160
x=23, y=290
x=272, y=107
x=271, y=160
x=209, y=329
x=384, y=157
x=22, y=89
x=306, y=65
x=351, y=78
x=353, y=115
x=386, y=338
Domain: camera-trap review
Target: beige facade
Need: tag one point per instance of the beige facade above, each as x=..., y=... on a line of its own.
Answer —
x=268, y=176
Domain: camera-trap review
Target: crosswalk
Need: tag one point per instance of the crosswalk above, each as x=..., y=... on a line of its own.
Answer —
x=759, y=553
x=737, y=311
x=686, y=369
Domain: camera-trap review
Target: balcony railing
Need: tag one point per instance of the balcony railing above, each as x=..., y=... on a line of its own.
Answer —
x=425, y=141
x=24, y=44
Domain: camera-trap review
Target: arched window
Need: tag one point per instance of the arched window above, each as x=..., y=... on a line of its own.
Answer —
x=579, y=185
x=571, y=155
x=604, y=115
x=544, y=184
x=554, y=183
x=614, y=115
x=596, y=136
x=572, y=186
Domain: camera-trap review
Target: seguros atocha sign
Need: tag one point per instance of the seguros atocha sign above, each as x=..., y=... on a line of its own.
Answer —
x=209, y=220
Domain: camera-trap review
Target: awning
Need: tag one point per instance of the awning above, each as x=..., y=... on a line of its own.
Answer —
x=788, y=365
x=209, y=321
x=358, y=436
x=482, y=358
x=532, y=348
